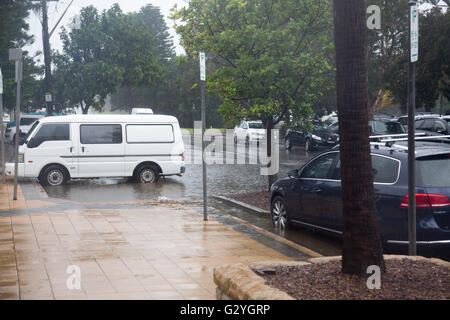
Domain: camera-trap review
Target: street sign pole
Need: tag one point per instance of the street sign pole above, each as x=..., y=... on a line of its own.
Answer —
x=414, y=54
x=2, y=135
x=203, y=107
x=16, y=55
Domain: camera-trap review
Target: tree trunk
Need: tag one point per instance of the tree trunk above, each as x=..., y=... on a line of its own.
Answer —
x=84, y=108
x=361, y=238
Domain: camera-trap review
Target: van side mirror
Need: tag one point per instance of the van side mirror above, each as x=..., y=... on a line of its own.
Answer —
x=293, y=174
x=31, y=143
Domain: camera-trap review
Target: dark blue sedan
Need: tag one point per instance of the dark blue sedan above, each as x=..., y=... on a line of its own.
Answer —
x=311, y=196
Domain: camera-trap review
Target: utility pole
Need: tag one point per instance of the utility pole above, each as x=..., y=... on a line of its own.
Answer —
x=47, y=56
x=414, y=56
x=2, y=136
x=47, y=53
x=203, y=106
x=17, y=56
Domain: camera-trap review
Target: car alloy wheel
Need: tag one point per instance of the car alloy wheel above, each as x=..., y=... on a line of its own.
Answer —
x=279, y=214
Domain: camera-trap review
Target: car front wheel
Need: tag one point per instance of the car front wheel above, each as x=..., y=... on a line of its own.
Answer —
x=279, y=213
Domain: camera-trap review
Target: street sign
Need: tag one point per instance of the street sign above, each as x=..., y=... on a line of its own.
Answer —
x=202, y=66
x=414, y=33
x=48, y=97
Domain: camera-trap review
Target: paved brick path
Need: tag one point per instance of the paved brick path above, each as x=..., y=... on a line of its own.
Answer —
x=159, y=252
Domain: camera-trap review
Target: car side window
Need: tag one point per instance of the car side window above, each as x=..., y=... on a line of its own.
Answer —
x=385, y=170
x=320, y=167
x=51, y=132
x=439, y=127
x=427, y=125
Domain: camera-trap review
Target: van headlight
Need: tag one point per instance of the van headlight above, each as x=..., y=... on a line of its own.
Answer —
x=316, y=137
x=21, y=158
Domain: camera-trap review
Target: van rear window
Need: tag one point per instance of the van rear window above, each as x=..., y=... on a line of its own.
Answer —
x=150, y=133
x=435, y=171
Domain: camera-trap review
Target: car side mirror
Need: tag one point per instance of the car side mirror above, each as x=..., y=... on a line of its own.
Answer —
x=440, y=131
x=293, y=174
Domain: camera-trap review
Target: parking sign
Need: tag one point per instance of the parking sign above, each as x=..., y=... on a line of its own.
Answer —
x=414, y=33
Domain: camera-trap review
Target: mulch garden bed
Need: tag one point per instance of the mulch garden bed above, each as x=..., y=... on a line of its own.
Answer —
x=404, y=279
x=257, y=199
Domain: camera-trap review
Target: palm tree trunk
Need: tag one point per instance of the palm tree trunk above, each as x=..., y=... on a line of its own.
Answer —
x=361, y=239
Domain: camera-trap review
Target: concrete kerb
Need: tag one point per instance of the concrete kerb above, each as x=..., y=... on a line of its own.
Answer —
x=242, y=205
x=240, y=282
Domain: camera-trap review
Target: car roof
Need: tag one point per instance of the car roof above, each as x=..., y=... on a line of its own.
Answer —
x=122, y=118
x=400, y=149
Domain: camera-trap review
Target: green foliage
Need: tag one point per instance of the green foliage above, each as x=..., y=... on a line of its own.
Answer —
x=106, y=51
x=13, y=34
x=272, y=57
x=433, y=67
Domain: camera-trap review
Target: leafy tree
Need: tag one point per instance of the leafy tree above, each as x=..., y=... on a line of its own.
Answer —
x=272, y=56
x=384, y=46
x=13, y=26
x=106, y=51
x=433, y=67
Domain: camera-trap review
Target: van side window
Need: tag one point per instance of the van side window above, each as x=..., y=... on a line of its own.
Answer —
x=101, y=134
x=51, y=132
x=153, y=133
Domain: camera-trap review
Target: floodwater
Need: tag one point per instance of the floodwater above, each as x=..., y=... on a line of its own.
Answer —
x=222, y=180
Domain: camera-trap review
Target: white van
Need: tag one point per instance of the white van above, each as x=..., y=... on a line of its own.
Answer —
x=57, y=149
x=141, y=111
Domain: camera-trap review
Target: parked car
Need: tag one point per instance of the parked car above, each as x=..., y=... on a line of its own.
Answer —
x=92, y=146
x=385, y=127
x=26, y=122
x=311, y=196
x=141, y=111
x=249, y=131
x=434, y=125
x=404, y=118
x=319, y=136
x=6, y=118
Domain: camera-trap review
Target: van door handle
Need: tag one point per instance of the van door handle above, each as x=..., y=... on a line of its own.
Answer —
x=71, y=149
x=82, y=149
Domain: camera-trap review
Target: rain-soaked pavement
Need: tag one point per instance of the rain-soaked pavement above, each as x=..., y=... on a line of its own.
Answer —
x=222, y=180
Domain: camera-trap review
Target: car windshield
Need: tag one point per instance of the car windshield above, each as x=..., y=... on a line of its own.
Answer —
x=255, y=125
x=435, y=171
x=320, y=127
x=31, y=131
x=388, y=127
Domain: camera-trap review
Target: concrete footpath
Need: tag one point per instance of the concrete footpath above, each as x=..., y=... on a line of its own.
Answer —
x=157, y=251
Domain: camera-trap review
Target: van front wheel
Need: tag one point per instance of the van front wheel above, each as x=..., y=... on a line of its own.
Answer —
x=53, y=176
x=148, y=174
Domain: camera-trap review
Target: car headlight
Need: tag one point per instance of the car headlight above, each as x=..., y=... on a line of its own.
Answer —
x=21, y=157
x=316, y=137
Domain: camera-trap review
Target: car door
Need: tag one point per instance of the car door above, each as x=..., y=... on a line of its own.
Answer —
x=440, y=127
x=101, y=150
x=309, y=190
x=51, y=143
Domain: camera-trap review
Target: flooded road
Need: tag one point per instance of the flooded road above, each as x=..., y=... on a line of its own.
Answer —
x=222, y=180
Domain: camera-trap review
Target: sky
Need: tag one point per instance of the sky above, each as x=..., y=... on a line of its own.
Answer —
x=56, y=9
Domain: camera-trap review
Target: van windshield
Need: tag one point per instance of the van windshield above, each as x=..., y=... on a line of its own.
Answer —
x=31, y=131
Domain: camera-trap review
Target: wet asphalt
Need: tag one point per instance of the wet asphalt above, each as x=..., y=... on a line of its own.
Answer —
x=222, y=179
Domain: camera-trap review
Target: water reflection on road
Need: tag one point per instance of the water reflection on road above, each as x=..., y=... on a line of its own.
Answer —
x=222, y=179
